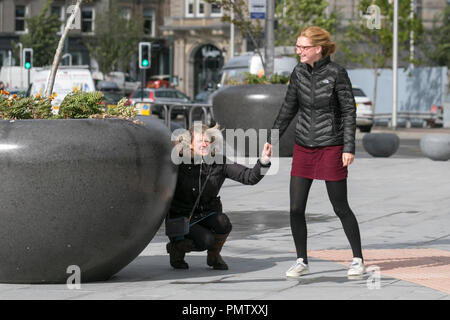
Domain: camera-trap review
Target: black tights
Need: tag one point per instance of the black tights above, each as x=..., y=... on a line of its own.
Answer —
x=337, y=193
x=202, y=233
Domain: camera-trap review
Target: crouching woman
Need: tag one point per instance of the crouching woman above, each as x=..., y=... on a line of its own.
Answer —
x=196, y=197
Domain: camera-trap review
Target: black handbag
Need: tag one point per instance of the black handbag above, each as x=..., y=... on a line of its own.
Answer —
x=179, y=227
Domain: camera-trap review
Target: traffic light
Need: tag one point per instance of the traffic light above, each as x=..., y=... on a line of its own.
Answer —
x=145, y=49
x=28, y=58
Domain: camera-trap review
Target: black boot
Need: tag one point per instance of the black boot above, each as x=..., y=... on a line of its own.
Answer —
x=177, y=251
x=214, y=259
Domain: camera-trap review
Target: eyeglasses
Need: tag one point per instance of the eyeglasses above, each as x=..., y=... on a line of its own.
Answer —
x=301, y=48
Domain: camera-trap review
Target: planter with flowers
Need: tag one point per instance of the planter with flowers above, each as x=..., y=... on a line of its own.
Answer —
x=254, y=104
x=82, y=188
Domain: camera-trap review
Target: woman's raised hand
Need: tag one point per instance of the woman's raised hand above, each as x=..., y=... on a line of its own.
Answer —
x=266, y=153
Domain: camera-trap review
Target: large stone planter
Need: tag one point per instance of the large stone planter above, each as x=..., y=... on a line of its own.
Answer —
x=381, y=144
x=89, y=193
x=253, y=107
x=436, y=146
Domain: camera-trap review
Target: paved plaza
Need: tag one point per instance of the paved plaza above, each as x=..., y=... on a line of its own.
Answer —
x=402, y=204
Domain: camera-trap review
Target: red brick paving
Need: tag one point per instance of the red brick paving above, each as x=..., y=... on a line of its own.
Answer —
x=426, y=267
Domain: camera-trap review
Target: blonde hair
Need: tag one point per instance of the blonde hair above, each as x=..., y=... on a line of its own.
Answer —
x=184, y=140
x=320, y=37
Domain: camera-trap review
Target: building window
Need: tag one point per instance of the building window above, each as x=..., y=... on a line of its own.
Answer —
x=87, y=20
x=200, y=8
x=149, y=22
x=20, y=18
x=77, y=58
x=189, y=8
x=216, y=10
x=3, y=60
x=58, y=11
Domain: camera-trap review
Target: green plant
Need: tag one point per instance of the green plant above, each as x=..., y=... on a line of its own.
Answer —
x=79, y=105
x=12, y=107
x=123, y=110
x=279, y=79
x=261, y=79
x=76, y=105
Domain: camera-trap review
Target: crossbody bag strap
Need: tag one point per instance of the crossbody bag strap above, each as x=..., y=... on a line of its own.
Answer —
x=200, y=194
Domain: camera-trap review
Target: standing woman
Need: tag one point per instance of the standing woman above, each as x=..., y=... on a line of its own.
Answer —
x=321, y=93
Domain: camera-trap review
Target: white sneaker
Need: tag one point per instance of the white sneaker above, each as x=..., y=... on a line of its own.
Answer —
x=356, y=268
x=298, y=269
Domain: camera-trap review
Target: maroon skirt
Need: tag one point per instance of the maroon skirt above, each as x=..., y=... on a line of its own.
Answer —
x=322, y=163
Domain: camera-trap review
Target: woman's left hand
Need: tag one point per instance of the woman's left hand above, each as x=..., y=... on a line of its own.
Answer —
x=347, y=158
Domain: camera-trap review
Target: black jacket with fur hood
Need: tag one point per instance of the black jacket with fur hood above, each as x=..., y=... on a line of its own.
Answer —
x=191, y=177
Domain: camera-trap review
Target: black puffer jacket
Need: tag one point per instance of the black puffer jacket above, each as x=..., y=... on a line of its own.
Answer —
x=188, y=186
x=323, y=98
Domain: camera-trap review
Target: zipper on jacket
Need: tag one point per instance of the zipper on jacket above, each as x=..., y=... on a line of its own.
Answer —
x=313, y=113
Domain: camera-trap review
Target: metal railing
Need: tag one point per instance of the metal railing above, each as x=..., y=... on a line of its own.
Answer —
x=188, y=108
x=429, y=118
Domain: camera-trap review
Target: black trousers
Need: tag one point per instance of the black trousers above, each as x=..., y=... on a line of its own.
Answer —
x=202, y=232
x=337, y=193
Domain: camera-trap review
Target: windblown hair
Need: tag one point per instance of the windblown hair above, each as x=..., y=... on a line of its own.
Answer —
x=320, y=37
x=184, y=140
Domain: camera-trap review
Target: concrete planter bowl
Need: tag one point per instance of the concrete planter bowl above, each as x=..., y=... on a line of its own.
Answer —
x=436, y=146
x=89, y=193
x=253, y=107
x=381, y=144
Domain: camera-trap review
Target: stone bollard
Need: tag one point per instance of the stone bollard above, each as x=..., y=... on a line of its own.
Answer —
x=381, y=144
x=436, y=146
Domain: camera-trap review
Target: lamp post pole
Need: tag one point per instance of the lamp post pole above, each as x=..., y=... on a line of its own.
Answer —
x=395, y=67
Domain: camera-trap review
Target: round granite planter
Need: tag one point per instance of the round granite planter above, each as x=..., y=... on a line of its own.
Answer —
x=253, y=107
x=381, y=144
x=90, y=193
x=436, y=146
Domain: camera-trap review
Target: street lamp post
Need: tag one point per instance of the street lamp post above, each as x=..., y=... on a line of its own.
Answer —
x=270, y=38
x=395, y=67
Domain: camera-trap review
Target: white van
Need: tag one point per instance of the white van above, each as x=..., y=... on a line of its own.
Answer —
x=235, y=68
x=68, y=78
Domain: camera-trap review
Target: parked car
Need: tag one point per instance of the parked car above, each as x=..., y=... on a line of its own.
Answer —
x=364, y=110
x=104, y=86
x=159, y=81
x=156, y=97
x=112, y=98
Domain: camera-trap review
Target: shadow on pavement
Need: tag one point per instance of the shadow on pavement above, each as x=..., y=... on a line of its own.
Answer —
x=155, y=268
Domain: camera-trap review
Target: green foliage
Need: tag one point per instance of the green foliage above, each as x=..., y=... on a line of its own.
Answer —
x=372, y=48
x=116, y=39
x=78, y=105
x=438, y=51
x=250, y=78
x=295, y=15
x=12, y=107
x=41, y=36
x=252, y=28
x=279, y=79
x=122, y=110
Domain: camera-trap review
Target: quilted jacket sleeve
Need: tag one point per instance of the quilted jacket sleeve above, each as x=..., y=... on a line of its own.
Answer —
x=348, y=109
x=288, y=109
